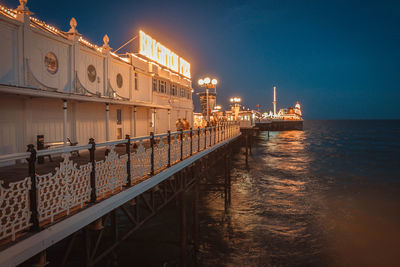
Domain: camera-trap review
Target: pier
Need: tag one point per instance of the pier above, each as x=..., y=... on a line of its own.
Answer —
x=137, y=176
x=279, y=125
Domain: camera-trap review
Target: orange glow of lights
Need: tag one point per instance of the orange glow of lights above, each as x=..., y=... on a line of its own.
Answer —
x=155, y=51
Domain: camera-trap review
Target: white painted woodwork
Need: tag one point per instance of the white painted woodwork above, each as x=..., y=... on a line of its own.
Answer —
x=31, y=97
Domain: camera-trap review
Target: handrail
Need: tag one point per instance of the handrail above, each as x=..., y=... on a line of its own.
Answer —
x=61, y=150
x=111, y=143
x=94, y=176
x=14, y=156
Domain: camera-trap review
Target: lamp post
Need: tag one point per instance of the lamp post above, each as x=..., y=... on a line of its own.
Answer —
x=208, y=84
x=236, y=105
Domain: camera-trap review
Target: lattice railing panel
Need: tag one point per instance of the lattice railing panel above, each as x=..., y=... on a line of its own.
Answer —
x=140, y=163
x=111, y=174
x=175, y=149
x=186, y=146
x=213, y=140
x=160, y=155
x=195, y=143
x=202, y=140
x=67, y=188
x=14, y=208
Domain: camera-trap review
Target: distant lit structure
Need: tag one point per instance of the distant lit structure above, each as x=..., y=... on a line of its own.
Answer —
x=208, y=98
x=235, y=106
x=283, y=114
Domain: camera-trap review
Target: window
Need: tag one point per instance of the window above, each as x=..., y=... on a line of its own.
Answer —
x=136, y=81
x=154, y=85
x=119, y=117
x=161, y=86
x=173, y=89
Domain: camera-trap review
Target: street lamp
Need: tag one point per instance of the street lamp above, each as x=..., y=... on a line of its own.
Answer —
x=208, y=83
x=236, y=105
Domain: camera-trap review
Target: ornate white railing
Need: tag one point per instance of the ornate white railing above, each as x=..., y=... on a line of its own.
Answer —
x=111, y=173
x=15, y=211
x=67, y=188
x=39, y=200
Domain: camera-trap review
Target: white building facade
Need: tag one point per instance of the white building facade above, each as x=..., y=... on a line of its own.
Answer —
x=59, y=85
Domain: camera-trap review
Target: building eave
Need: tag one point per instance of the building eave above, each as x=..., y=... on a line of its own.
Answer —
x=34, y=92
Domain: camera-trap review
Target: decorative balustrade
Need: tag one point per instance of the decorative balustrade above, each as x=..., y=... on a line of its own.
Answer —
x=15, y=211
x=140, y=163
x=39, y=200
x=67, y=188
x=111, y=174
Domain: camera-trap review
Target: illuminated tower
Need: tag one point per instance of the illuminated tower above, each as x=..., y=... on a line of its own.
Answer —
x=274, y=100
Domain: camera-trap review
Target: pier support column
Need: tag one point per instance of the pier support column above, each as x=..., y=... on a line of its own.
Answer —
x=247, y=148
x=195, y=230
x=250, y=140
x=226, y=168
x=65, y=122
x=229, y=177
x=107, y=122
x=183, y=227
x=40, y=260
x=114, y=226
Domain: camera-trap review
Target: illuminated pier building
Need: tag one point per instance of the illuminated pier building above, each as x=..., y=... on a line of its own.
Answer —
x=59, y=85
x=284, y=113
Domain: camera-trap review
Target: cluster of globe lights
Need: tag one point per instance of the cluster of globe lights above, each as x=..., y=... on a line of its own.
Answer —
x=207, y=80
x=236, y=100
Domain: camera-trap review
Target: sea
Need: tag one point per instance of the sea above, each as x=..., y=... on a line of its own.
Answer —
x=325, y=196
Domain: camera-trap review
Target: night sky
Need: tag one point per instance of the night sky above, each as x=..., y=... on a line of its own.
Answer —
x=340, y=59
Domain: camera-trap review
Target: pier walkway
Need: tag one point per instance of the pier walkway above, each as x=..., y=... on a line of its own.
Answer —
x=39, y=210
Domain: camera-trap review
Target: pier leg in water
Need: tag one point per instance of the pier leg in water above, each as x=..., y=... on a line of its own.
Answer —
x=247, y=149
x=229, y=178
x=226, y=170
x=250, y=140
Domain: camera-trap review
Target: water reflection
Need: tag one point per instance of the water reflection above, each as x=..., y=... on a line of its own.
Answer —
x=310, y=198
x=268, y=223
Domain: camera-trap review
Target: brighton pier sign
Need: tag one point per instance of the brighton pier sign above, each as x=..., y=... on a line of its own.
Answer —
x=155, y=51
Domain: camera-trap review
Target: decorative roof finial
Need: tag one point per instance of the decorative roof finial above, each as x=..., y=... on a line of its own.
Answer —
x=73, y=24
x=22, y=8
x=106, y=40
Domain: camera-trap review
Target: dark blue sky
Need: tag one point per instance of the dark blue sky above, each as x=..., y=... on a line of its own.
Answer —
x=340, y=59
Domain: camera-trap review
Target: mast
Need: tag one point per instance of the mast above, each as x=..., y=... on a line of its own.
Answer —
x=274, y=100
